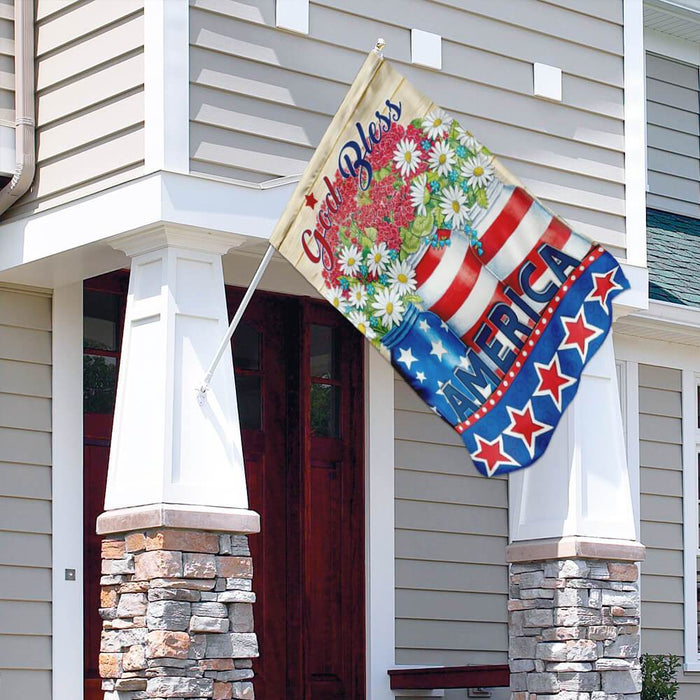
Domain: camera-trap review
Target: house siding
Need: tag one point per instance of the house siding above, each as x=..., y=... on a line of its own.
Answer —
x=90, y=104
x=673, y=136
x=261, y=98
x=661, y=512
x=451, y=532
x=25, y=494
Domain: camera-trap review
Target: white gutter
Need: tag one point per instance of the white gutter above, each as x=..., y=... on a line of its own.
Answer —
x=25, y=124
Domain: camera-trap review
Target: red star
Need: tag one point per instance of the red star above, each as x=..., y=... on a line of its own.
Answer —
x=492, y=454
x=524, y=426
x=552, y=380
x=603, y=284
x=311, y=200
x=578, y=333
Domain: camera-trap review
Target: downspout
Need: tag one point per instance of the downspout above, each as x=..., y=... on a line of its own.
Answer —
x=24, y=106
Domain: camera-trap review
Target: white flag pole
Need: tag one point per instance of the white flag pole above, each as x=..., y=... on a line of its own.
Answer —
x=202, y=389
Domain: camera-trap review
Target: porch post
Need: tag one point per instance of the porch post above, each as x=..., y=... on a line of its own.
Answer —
x=574, y=608
x=176, y=581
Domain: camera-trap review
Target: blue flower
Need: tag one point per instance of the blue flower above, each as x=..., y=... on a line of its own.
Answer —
x=434, y=187
x=370, y=288
x=364, y=270
x=453, y=176
x=425, y=144
x=383, y=279
x=465, y=186
x=344, y=284
x=461, y=151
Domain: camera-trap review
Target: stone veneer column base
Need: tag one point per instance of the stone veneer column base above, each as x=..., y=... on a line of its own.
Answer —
x=574, y=629
x=177, y=615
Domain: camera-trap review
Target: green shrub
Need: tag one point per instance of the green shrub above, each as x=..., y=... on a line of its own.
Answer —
x=659, y=677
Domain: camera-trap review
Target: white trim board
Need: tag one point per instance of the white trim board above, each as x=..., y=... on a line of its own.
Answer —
x=635, y=133
x=67, y=492
x=379, y=520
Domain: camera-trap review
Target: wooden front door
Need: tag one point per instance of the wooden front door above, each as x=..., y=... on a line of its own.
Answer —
x=299, y=382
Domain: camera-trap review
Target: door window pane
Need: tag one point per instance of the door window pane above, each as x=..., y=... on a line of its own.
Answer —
x=100, y=320
x=323, y=352
x=248, y=390
x=246, y=347
x=325, y=410
x=99, y=383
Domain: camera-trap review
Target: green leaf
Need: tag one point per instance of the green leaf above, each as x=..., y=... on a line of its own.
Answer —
x=383, y=172
x=422, y=225
x=371, y=233
x=417, y=123
x=411, y=243
x=481, y=198
x=413, y=299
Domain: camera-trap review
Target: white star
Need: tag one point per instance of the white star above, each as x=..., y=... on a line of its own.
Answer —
x=464, y=363
x=444, y=326
x=424, y=325
x=407, y=357
x=438, y=350
x=434, y=410
x=420, y=376
x=441, y=386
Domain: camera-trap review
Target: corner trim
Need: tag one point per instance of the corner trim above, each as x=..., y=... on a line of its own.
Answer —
x=183, y=517
x=574, y=548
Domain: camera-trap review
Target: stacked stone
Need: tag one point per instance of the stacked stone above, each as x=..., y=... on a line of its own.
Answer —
x=177, y=616
x=574, y=630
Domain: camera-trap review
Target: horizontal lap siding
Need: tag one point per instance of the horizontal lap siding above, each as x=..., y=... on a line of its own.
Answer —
x=261, y=98
x=673, y=136
x=25, y=494
x=451, y=533
x=90, y=100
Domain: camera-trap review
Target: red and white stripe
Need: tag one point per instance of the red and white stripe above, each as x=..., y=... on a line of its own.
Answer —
x=514, y=226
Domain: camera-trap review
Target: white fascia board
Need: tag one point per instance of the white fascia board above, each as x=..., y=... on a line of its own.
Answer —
x=671, y=46
x=163, y=197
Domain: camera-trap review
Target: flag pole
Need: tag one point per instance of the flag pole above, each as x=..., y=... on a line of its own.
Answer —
x=202, y=389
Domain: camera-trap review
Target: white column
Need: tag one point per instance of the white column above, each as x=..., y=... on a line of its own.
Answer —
x=580, y=487
x=166, y=447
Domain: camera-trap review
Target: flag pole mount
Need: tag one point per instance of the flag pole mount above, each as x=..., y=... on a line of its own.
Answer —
x=379, y=47
x=202, y=389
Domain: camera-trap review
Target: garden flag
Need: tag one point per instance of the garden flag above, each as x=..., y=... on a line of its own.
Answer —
x=488, y=304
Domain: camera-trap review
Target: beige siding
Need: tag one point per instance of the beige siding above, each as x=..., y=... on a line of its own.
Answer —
x=25, y=494
x=90, y=107
x=451, y=533
x=673, y=136
x=261, y=98
x=661, y=477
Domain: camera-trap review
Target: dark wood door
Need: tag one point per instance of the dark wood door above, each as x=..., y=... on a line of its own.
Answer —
x=299, y=382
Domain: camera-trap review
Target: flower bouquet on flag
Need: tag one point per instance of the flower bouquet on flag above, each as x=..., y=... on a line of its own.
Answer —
x=487, y=303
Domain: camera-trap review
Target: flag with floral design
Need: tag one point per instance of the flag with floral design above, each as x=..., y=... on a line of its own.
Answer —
x=487, y=303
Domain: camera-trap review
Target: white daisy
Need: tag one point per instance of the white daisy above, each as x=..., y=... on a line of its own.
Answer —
x=358, y=296
x=378, y=258
x=402, y=277
x=388, y=307
x=453, y=204
x=420, y=193
x=467, y=139
x=350, y=260
x=406, y=157
x=335, y=297
x=436, y=124
x=478, y=171
x=360, y=321
x=441, y=158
